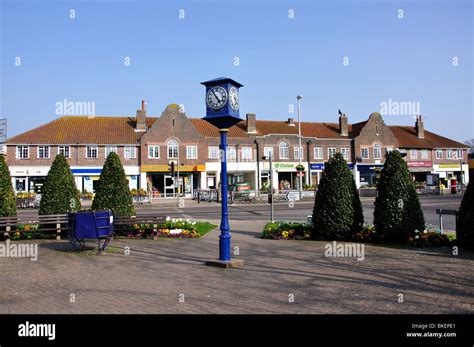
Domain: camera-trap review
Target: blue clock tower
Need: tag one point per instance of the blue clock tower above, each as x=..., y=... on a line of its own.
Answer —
x=222, y=111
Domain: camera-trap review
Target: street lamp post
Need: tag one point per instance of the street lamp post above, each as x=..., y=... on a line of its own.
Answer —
x=300, y=174
x=271, y=185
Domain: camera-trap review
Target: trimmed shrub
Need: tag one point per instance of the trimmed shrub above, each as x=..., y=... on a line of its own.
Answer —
x=112, y=189
x=465, y=225
x=59, y=193
x=7, y=195
x=337, y=212
x=397, y=211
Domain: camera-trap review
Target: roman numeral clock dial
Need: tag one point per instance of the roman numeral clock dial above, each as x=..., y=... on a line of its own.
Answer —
x=234, y=98
x=216, y=98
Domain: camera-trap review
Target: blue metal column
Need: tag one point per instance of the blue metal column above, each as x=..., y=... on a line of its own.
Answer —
x=224, y=238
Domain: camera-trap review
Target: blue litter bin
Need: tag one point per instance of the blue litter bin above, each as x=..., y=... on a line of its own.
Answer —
x=84, y=225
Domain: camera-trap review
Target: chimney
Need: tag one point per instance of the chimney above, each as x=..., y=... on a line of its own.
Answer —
x=343, y=127
x=290, y=122
x=141, y=118
x=251, y=123
x=420, y=127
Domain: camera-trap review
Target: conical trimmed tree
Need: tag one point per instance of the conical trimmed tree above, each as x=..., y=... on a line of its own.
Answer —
x=7, y=195
x=397, y=211
x=112, y=189
x=337, y=212
x=59, y=194
x=465, y=224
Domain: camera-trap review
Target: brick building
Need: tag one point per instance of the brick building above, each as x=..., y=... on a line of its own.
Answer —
x=147, y=145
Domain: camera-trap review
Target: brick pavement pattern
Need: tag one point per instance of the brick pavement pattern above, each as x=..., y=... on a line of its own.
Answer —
x=169, y=276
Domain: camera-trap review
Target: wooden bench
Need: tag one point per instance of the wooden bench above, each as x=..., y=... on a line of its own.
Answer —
x=155, y=221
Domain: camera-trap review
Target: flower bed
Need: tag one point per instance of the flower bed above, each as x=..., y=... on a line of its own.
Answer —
x=286, y=231
x=172, y=228
x=431, y=237
x=28, y=232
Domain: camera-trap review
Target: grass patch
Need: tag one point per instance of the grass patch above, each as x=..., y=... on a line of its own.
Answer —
x=204, y=227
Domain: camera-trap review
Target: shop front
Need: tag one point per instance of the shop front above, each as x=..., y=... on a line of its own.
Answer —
x=288, y=175
x=368, y=173
x=86, y=179
x=420, y=169
x=161, y=183
x=28, y=179
x=452, y=174
x=238, y=174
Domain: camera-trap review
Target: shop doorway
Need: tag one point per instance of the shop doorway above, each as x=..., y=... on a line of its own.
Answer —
x=169, y=186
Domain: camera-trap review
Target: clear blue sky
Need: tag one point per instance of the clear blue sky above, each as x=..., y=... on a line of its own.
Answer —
x=406, y=59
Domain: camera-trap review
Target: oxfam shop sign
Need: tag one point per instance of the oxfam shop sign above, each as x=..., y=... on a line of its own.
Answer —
x=284, y=166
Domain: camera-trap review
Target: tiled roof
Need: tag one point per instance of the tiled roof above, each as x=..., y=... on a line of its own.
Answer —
x=407, y=138
x=83, y=130
x=121, y=130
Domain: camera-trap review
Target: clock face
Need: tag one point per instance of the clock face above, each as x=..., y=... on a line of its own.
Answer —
x=234, y=98
x=216, y=98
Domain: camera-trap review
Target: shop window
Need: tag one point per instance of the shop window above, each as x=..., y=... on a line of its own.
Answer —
x=110, y=149
x=284, y=150
x=377, y=151
x=173, y=149
x=318, y=153
x=364, y=152
x=191, y=152
x=154, y=152
x=65, y=151
x=22, y=152
x=92, y=152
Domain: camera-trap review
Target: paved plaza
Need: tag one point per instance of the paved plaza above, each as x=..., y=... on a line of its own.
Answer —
x=169, y=276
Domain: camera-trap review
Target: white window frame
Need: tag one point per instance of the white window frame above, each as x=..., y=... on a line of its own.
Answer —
x=246, y=153
x=44, y=148
x=332, y=150
x=172, y=146
x=459, y=155
x=388, y=149
x=365, y=149
x=424, y=154
x=231, y=153
x=154, y=149
x=110, y=149
x=130, y=155
x=65, y=149
x=449, y=154
x=90, y=149
x=439, y=154
x=20, y=151
x=191, y=152
x=296, y=153
x=283, y=150
x=267, y=151
x=413, y=154
x=377, y=150
x=213, y=152
x=346, y=152
x=318, y=153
